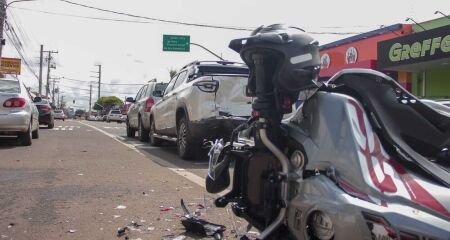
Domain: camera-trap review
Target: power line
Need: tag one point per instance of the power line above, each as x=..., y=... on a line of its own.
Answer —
x=83, y=89
x=163, y=20
x=80, y=16
x=124, y=84
x=157, y=19
x=21, y=55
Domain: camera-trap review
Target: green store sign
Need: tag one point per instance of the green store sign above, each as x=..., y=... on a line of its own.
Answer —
x=417, y=47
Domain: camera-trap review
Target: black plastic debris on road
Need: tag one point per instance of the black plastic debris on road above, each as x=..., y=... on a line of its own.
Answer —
x=131, y=226
x=195, y=225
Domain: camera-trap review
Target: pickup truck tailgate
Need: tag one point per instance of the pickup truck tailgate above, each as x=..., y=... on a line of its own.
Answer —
x=230, y=97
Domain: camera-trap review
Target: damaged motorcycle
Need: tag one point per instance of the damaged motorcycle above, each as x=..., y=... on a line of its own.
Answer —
x=362, y=158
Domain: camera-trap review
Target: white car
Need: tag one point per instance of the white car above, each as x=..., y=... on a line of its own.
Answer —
x=92, y=118
x=138, y=114
x=18, y=115
x=59, y=114
x=114, y=115
x=203, y=101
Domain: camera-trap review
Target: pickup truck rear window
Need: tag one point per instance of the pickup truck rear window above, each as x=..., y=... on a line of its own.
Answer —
x=213, y=70
x=9, y=86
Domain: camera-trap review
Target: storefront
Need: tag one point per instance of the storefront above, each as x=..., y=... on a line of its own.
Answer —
x=359, y=51
x=424, y=57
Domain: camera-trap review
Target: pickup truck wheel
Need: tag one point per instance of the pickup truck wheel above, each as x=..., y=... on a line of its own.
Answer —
x=130, y=132
x=154, y=141
x=186, y=145
x=142, y=132
x=25, y=137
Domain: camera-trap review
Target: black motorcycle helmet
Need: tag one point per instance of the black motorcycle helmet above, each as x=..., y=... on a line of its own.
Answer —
x=292, y=57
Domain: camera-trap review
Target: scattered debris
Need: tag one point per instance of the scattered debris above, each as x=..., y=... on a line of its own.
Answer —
x=100, y=213
x=11, y=225
x=142, y=221
x=165, y=209
x=121, y=207
x=80, y=174
x=200, y=206
x=4, y=236
x=130, y=227
x=198, y=226
x=181, y=237
x=71, y=231
x=116, y=216
x=151, y=228
x=101, y=229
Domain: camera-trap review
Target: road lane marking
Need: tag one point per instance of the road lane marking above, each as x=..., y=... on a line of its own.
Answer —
x=172, y=167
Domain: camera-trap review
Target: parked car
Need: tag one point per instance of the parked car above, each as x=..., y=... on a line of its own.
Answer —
x=18, y=115
x=45, y=112
x=92, y=118
x=138, y=115
x=203, y=101
x=115, y=116
x=59, y=114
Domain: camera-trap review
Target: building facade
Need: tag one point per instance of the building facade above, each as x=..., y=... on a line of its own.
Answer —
x=360, y=51
x=424, y=56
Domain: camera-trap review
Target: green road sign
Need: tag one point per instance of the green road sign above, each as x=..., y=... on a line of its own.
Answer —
x=176, y=43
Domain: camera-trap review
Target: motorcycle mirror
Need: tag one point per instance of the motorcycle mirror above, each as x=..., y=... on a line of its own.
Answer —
x=221, y=177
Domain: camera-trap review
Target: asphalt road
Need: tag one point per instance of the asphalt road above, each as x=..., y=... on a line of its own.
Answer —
x=167, y=153
x=73, y=182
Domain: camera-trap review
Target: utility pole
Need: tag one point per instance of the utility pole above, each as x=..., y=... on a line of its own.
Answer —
x=99, y=76
x=90, y=98
x=40, y=69
x=2, y=24
x=53, y=88
x=49, y=61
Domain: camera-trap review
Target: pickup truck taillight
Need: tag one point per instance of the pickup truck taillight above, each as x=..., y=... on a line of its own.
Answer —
x=14, y=103
x=149, y=104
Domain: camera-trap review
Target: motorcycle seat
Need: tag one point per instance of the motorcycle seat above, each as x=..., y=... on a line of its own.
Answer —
x=400, y=118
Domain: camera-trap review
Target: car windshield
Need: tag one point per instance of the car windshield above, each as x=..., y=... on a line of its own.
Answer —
x=115, y=112
x=161, y=87
x=9, y=86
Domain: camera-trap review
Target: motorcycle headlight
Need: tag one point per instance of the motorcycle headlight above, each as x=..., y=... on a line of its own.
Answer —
x=320, y=226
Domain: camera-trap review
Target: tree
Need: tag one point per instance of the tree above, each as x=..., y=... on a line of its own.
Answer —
x=172, y=72
x=107, y=102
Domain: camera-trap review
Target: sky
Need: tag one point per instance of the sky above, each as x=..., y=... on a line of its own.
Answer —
x=131, y=52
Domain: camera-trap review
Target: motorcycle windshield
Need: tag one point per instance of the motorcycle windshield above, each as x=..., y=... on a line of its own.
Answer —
x=411, y=129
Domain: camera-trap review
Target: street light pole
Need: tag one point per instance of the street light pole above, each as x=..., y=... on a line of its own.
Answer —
x=198, y=45
x=4, y=6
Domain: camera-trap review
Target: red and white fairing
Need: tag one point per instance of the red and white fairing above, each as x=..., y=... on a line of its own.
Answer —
x=386, y=175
